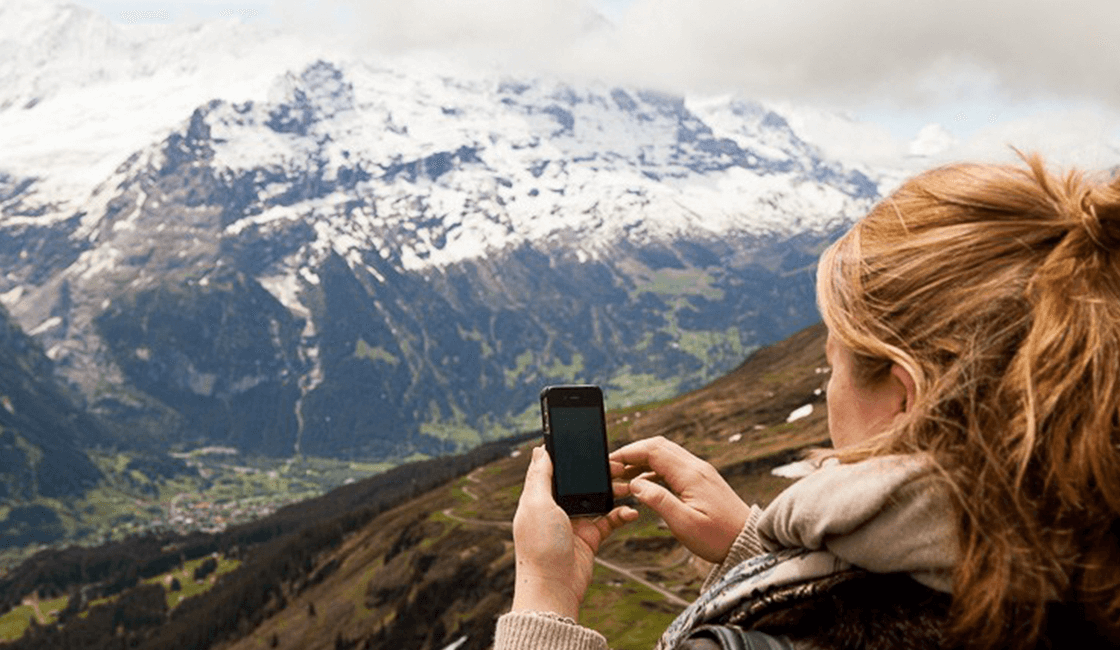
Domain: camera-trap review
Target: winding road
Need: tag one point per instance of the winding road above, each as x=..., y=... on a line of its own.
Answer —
x=621, y=570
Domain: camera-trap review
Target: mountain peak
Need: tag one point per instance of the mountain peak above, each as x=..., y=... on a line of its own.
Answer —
x=314, y=254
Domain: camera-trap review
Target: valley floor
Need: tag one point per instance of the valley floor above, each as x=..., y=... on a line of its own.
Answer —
x=216, y=489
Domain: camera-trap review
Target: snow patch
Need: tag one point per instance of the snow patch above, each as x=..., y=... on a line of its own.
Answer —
x=279, y=213
x=201, y=383
x=372, y=271
x=309, y=275
x=129, y=222
x=46, y=325
x=10, y=298
x=247, y=383
x=799, y=469
x=285, y=288
x=97, y=261
x=799, y=413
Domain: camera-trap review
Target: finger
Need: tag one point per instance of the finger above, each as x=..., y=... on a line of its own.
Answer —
x=638, y=452
x=666, y=504
x=595, y=531
x=622, y=516
x=615, y=519
x=628, y=472
x=618, y=470
x=657, y=453
x=674, y=465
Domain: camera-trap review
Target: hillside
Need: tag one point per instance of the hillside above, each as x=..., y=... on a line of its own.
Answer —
x=441, y=568
x=42, y=433
x=438, y=568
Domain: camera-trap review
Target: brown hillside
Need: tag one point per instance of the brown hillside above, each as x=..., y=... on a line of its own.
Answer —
x=440, y=567
x=372, y=565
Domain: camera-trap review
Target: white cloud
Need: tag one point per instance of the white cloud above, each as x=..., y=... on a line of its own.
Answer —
x=919, y=51
x=543, y=30
x=933, y=139
x=1037, y=74
x=915, y=51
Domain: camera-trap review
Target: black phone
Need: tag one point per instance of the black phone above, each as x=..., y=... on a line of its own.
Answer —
x=575, y=435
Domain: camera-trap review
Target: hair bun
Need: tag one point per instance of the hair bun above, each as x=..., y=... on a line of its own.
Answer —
x=1099, y=217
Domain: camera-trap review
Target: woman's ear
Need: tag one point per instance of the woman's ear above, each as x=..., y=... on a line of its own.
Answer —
x=902, y=376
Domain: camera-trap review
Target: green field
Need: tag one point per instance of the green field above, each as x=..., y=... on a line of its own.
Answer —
x=15, y=623
x=188, y=586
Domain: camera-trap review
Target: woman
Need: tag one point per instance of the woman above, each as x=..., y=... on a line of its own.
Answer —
x=974, y=405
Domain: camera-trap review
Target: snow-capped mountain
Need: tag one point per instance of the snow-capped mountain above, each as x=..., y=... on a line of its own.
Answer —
x=381, y=256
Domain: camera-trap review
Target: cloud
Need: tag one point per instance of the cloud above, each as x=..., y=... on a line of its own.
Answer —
x=542, y=30
x=987, y=74
x=915, y=52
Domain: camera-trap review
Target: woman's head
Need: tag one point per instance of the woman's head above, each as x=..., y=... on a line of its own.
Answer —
x=863, y=400
x=997, y=290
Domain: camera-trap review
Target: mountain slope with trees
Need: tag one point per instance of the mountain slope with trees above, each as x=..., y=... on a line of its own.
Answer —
x=42, y=436
x=437, y=567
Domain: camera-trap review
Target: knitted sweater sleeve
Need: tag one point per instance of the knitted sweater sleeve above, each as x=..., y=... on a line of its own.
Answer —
x=546, y=631
x=746, y=545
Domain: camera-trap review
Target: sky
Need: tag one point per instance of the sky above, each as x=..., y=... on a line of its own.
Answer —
x=970, y=76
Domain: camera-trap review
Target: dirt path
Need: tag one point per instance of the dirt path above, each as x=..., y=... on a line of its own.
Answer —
x=669, y=596
x=473, y=479
x=41, y=617
x=447, y=512
x=33, y=603
x=621, y=570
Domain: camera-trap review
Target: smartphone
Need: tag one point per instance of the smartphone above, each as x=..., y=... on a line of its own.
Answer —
x=575, y=435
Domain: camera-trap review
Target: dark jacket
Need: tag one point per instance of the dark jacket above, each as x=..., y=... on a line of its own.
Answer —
x=859, y=610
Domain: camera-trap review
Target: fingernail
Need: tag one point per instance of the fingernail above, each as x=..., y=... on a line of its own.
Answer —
x=636, y=486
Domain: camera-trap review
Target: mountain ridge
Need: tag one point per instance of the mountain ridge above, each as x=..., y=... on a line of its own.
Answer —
x=361, y=261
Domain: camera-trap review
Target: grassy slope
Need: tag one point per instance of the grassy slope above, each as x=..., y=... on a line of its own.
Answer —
x=403, y=575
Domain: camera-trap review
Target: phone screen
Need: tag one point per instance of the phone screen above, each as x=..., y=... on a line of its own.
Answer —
x=576, y=438
x=579, y=449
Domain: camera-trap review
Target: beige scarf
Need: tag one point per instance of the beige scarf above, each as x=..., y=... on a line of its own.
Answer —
x=886, y=515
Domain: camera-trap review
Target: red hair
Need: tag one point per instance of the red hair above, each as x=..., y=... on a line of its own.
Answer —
x=998, y=289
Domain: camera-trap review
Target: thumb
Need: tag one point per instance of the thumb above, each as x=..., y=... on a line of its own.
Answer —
x=538, y=478
x=661, y=501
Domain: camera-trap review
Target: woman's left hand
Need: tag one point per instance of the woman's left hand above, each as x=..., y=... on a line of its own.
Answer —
x=555, y=553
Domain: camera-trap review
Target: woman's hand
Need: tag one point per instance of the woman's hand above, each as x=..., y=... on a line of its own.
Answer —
x=555, y=553
x=700, y=508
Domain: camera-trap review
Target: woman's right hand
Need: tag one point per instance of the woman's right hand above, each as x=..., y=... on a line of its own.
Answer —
x=700, y=508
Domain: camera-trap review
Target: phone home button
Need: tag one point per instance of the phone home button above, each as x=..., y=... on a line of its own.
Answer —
x=585, y=503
